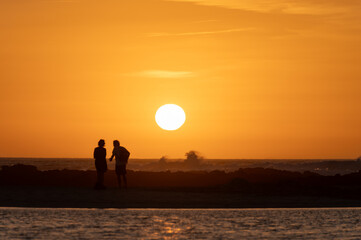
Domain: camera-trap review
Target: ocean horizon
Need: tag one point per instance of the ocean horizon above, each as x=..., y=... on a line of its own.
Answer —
x=321, y=166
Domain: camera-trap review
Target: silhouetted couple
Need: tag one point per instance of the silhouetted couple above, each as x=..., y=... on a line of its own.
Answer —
x=121, y=159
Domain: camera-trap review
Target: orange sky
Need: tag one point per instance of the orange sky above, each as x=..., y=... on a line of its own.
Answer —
x=256, y=78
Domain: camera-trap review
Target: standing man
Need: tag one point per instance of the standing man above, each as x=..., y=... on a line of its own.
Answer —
x=121, y=159
x=100, y=164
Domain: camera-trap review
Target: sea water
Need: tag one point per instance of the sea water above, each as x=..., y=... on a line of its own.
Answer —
x=60, y=223
x=324, y=167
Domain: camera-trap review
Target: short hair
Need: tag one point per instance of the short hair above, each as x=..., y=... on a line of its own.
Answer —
x=116, y=143
x=101, y=143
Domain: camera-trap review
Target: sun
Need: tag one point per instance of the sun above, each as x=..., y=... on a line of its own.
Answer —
x=170, y=117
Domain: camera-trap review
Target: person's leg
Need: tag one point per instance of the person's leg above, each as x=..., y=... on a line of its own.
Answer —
x=97, y=181
x=101, y=179
x=125, y=180
x=119, y=181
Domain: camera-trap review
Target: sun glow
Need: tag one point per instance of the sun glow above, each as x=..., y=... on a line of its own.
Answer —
x=170, y=117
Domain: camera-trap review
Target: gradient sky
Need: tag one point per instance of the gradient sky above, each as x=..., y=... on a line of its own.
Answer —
x=256, y=78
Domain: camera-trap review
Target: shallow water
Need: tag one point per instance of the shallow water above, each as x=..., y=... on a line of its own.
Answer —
x=45, y=223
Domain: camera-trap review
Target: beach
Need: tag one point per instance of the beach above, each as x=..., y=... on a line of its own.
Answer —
x=26, y=186
x=83, y=197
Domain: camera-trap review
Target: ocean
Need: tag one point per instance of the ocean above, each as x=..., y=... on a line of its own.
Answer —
x=321, y=166
x=296, y=223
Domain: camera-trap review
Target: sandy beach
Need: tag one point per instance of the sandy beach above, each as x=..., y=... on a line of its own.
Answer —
x=25, y=186
x=82, y=197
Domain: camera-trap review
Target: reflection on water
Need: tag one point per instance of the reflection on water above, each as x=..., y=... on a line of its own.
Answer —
x=32, y=223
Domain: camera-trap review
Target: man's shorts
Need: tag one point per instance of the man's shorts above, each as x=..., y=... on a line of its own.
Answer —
x=120, y=169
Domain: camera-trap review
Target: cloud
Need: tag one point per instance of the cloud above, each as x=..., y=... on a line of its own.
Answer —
x=199, y=33
x=314, y=7
x=163, y=74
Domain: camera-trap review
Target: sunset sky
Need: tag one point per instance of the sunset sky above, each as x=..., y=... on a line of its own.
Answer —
x=256, y=78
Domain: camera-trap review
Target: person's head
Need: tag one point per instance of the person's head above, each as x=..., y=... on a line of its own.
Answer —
x=101, y=143
x=116, y=143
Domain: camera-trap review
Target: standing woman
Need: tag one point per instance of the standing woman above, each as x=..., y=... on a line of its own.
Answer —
x=100, y=164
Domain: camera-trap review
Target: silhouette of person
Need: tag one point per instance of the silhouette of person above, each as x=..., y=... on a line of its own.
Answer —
x=100, y=164
x=121, y=159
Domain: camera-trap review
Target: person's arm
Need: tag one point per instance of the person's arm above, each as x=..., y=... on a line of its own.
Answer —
x=94, y=154
x=111, y=158
x=128, y=154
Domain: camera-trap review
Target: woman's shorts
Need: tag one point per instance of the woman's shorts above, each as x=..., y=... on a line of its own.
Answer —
x=120, y=169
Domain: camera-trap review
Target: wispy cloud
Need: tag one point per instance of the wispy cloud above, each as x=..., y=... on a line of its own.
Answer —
x=199, y=33
x=162, y=74
x=206, y=21
x=287, y=6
